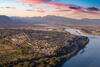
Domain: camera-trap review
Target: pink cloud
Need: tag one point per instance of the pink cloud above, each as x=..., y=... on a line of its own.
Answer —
x=44, y=2
x=63, y=10
x=10, y=7
x=7, y=7
x=72, y=8
x=40, y=10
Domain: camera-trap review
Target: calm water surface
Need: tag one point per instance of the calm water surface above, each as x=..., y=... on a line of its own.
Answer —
x=89, y=56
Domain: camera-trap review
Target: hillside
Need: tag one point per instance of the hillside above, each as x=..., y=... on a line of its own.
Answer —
x=7, y=21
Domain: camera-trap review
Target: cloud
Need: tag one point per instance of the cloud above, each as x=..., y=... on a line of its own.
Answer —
x=93, y=9
x=40, y=11
x=77, y=11
x=45, y=2
x=61, y=7
x=10, y=7
x=64, y=10
x=7, y=7
x=75, y=7
x=36, y=10
x=29, y=10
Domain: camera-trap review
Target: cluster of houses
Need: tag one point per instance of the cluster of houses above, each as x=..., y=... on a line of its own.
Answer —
x=42, y=42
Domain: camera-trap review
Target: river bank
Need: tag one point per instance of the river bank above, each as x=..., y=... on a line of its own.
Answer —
x=89, y=56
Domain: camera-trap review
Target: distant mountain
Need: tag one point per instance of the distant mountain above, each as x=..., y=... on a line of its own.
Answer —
x=5, y=20
x=56, y=20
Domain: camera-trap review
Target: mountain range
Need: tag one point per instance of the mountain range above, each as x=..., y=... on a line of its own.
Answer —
x=50, y=19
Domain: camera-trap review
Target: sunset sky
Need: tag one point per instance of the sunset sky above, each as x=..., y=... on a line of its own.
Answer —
x=30, y=8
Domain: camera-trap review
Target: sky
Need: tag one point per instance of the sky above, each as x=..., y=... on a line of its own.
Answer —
x=30, y=8
x=84, y=3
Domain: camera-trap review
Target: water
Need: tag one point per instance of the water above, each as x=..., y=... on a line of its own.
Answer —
x=89, y=57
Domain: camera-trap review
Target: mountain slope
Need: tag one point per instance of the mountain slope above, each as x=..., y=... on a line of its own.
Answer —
x=5, y=20
x=57, y=20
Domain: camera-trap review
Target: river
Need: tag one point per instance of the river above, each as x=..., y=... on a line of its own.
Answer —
x=87, y=57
